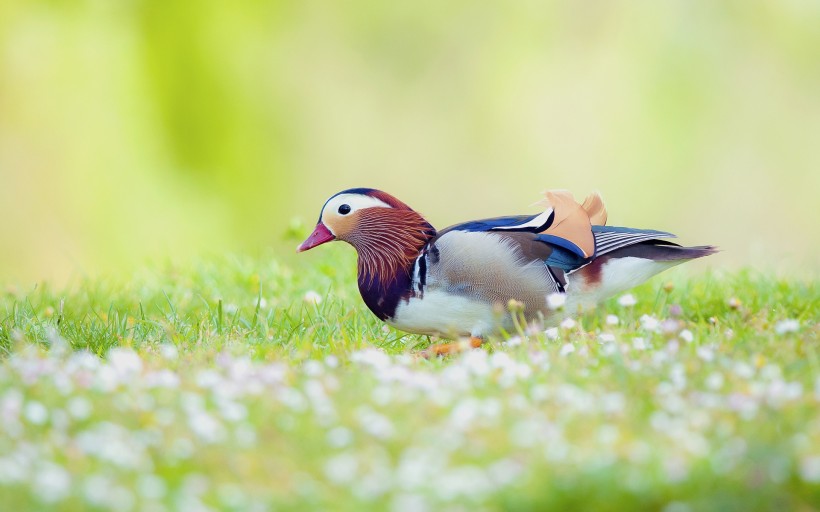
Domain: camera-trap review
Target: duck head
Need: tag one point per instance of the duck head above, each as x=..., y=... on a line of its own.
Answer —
x=387, y=234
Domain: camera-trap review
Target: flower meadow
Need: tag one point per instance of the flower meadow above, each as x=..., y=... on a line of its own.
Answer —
x=240, y=384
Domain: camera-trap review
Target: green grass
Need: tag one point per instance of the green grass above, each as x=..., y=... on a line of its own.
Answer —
x=218, y=385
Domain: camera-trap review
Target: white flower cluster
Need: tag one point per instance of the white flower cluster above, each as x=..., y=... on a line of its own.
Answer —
x=158, y=430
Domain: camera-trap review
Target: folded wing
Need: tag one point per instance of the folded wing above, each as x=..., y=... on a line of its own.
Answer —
x=574, y=233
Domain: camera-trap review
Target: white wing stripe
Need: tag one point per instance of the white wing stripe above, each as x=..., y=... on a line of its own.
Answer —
x=608, y=242
x=620, y=243
x=538, y=221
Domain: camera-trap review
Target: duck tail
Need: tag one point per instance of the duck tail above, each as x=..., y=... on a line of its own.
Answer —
x=664, y=251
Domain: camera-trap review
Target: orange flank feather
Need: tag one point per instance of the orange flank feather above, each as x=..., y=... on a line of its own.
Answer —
x=571, y=220
x=594, y=206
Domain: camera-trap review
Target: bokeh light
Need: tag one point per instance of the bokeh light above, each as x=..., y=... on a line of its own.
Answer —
x=143, y=129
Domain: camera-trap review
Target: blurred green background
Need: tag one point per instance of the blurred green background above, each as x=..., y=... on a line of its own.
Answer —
x=133, y=130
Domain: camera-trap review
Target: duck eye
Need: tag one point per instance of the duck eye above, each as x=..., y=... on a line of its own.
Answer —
x=344, y=209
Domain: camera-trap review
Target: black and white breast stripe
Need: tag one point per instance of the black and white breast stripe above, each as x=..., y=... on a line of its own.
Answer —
x=420, y=273
x=610, y=241
x=556, y=283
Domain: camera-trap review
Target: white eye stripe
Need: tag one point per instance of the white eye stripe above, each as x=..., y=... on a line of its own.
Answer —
x=355, y=201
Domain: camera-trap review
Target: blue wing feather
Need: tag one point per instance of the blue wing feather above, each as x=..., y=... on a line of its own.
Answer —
x=490, y=224
x=563, y=243
x=565, y=254
x=564, y=259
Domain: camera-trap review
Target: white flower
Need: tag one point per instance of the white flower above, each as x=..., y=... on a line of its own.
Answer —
x=125, y=362
x=14, y=468
x=206, y=427
x=613, y=402
x=686, y=335
x=409, y=503
x=771, y=372
x=504, y=472
x=465, y=481
x=371, y=356
x=786, y=326
x=627, y=300
x=607, y=434
x=568, y=323
x=120, y=498
x=151, y=487
x=339, y=437
x=208, y=378
x=79, y=407
x=59, y=345
x=107, y=379
x=514, y=341
x=781, y=391
x=375, y=424
x=476, y=362
x=743, y=370
x=162, y=379
x=556, y=300
x=245, y=435
x=670, y=326
x=714, y=381
x=612, y=320
x=312, y=368
x=609, y=348
x=169, y=351
x=606, y=337
x=312, y=297
x=112, y=443
x=568, y=348
x=552, y=333
x=52, y=483
x=233, y=497
x=233, y=411
x=382, y=395
x=810, y=469
x=83, y=360
x=464, y=413
x=342, y=468
x=639, y=344
x=35, y=412
x=11, y=404
x=292, y=399
x=501, y=360
x=96, y=489
x=705, y=353
x=649, y=323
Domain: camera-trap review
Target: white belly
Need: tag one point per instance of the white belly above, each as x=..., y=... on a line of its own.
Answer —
x=617, y=276
x=444, y=314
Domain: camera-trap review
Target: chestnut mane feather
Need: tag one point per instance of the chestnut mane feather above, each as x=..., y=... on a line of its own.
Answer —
x=388, y=240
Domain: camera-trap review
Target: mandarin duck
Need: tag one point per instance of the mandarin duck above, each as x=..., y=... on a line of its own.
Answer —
x=457, y=282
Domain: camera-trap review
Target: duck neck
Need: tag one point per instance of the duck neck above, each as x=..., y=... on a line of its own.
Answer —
x=388, y=243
